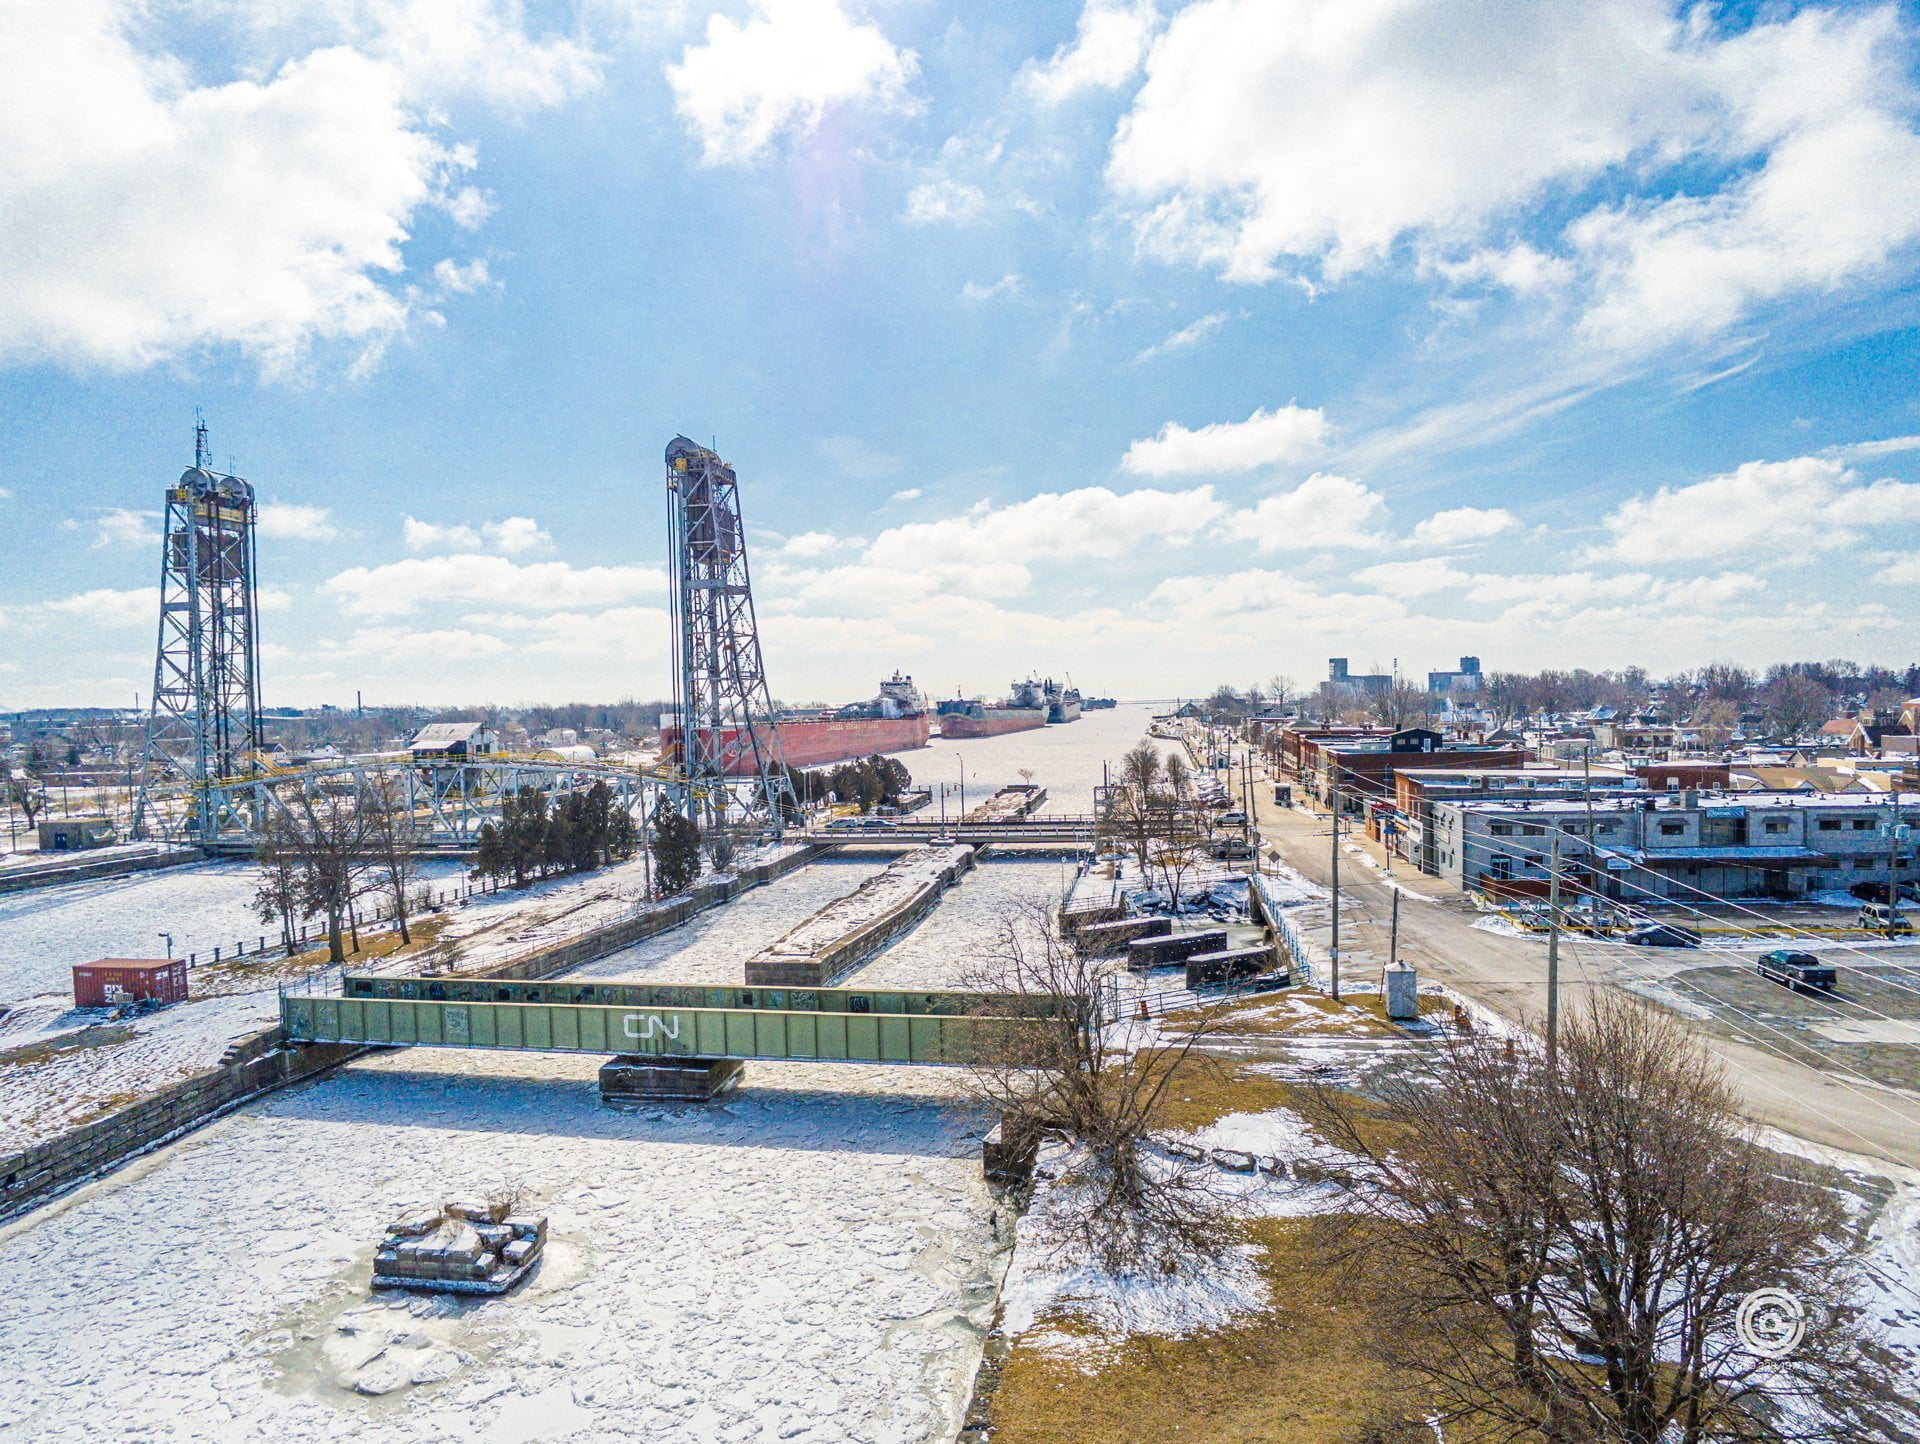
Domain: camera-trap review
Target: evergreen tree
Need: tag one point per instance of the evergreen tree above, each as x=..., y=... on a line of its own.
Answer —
x=676, y=852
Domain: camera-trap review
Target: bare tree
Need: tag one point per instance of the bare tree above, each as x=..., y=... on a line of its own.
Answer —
x=393, y=835
x=326, y=833
x=278, y=897
x=1102, y=1083
x=1563, y=1247
x=1795, y=704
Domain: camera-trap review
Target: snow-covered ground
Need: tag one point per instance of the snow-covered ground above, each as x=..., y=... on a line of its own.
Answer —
x=45, y=931
x=33, y=857
x=812, y=1261
x=75, y=1076
x=714, y=947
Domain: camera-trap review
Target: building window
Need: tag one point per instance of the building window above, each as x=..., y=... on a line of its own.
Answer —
x=1501, y=829
x=1673, y=829
x=1860, y=824
x=1829, y=824
x=1778, y=824
x=1528, y=830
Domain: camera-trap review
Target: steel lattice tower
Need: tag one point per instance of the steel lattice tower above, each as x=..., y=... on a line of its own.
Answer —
x=204, y=724
x=719, y=679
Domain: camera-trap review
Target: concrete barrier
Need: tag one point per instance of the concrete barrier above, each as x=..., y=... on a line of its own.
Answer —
x=1165, y=951
x=1098, y=940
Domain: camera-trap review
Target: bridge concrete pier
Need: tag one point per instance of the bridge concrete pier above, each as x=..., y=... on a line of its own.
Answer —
x=642, y=1078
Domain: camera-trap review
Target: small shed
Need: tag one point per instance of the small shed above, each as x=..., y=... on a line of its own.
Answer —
x=155, y=980
x=75, y=834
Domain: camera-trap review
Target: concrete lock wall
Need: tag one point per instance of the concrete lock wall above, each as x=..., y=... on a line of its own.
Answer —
x=28, y=876
x=260, y=1063
x=840, y=956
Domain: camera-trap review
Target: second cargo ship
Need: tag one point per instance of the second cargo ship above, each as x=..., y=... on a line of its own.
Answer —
x=1029, y=704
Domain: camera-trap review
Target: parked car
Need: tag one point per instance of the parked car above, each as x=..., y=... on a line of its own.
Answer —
x=861, y=824
x=1662, y=935
x=1236, y=818
x=1802, y=972
x=1224, y=848
x=1883, y=918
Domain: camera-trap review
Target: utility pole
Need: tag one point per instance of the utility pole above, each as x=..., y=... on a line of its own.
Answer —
x=1334, y=949
x=1553, y=951
x=1393, y=938
x=1893, y=861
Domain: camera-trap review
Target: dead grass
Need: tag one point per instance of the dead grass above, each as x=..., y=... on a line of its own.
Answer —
x=1300, y=1014
x=250, y=974
x=1299, y=1373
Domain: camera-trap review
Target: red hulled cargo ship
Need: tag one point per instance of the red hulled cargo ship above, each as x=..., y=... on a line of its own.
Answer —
x=894, y=721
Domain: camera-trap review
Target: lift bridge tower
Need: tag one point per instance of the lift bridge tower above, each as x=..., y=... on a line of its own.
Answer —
x=204, y=725
x=728, y=749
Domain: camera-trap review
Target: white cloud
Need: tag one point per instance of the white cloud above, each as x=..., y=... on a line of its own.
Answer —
x=1007, y=285
x=1866, y=450
x=909, y=493
x=1420, y=578
x=1286, y=434
x=296, y=521
x=455, y=279
x=1323, y=511
x=511, y=537
x=1739, y=166
x=779, y=72
x=119, y=163
x=1089, y=522
x=811, y=544
x=1902, y=573
x=1762, y=510
x=124, y=527
x=105, y=607
x=1464, y=524
x=1206, y=601
x=5, y=494
x=1186, y=337
x=515, y=535
x=945, y=200
x=404, y=586
x=1108, y=45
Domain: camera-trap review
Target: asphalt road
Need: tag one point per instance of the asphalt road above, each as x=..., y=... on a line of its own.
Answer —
x=1813, y=1100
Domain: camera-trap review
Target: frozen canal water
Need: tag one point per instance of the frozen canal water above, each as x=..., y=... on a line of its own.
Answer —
x=966, y=928
x=812, y=1261
x=714, y=946
x=45, y=931
x=1066, y=760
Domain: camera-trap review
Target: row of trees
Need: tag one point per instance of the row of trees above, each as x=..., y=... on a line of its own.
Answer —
x=537, y=836
x=865, y=782
x=1151, y=810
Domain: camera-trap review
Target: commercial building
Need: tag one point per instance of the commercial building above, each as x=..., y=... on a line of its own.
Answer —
x=453, y=742
x=1417, y=790
x=1678, y=845
x=1357, y=684
x=1465, y=679
x=1363, y=767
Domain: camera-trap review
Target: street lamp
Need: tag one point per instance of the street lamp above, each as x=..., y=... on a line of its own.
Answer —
x=167, y=938
x=962, y=820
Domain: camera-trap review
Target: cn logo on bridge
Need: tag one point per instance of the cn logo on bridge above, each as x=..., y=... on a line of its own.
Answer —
x=669, y=1028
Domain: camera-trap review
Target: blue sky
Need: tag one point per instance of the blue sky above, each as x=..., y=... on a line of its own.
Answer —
x=1155, y=344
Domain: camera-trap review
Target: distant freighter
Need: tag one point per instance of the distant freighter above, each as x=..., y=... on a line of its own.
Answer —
x=1029, y=704
x=894, y=721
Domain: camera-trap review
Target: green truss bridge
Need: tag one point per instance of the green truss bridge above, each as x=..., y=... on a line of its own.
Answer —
x=667, y=1037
